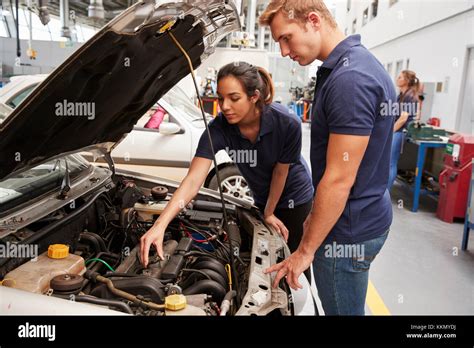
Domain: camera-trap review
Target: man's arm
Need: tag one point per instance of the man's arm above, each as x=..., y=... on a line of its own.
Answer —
x=279, y=175
x=344, y=155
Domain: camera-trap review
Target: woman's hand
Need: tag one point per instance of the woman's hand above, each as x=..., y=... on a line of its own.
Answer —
x=186, y=191
x=154, y=236
x=278, y=225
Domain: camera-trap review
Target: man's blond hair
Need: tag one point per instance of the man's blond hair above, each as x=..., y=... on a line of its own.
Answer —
x=297, y=10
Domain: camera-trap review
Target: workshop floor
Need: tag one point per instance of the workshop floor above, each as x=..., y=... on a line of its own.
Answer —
x=421, y=268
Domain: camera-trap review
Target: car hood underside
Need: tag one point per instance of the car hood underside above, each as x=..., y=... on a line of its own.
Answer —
x=98, y=94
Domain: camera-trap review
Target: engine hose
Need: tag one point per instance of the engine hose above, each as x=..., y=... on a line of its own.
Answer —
x=226, y=303
x=95, y=239
x=99, y=301
x=233, y=243
x=206, y=286
x=92, y=241
x=118, y=274
x=96, y=265
x=110, y=286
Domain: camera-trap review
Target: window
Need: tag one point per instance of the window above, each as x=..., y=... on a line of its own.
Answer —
x=40, y=31
x=375, y=7
x=348, y=5
x=365, y=16
x=408, y=63
x=354, y=25
x=389, y=68
x=23, y=25
x=399, y=67
x=5, y=111
x=3, y=25
x=439, y=87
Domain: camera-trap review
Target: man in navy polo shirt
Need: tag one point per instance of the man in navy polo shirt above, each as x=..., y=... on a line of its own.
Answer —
x=351, y=135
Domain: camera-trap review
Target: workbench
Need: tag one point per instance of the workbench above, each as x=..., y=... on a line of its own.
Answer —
x=420, y=162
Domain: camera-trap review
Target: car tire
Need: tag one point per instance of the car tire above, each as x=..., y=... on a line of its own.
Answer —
x=233, y=183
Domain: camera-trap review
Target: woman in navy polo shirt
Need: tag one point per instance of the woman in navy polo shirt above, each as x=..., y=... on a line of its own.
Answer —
x=407, y=101
x=267, y=139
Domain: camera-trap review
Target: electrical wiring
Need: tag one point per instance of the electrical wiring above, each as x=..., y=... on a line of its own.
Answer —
x=100, y=260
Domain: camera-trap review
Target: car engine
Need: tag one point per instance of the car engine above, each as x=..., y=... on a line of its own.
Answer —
x=207, y=267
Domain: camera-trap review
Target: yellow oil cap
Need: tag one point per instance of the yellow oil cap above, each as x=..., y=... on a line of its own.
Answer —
x=167, y=26
x=175, y=302
x=58, y=251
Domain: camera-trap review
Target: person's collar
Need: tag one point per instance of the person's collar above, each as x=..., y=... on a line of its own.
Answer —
x=266, y=124
x=341, y=48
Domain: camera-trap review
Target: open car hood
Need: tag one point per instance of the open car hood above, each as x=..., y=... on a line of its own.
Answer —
x=98, y=94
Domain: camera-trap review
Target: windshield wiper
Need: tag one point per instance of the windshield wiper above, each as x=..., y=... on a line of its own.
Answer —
x=66, y=183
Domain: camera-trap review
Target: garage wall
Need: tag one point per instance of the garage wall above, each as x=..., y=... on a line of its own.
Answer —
x=431, y=37
x=50, y=55
x=438, y=54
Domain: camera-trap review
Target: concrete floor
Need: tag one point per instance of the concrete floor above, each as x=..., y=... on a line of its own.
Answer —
x=421, y=268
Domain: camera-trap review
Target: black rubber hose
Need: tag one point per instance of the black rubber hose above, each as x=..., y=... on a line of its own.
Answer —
x=118, y=274
x=207, y=286
x=96, y=265
x=92, y=241
x=226, y=304
x=99, y=301
x=230, y=295
x=95, y=239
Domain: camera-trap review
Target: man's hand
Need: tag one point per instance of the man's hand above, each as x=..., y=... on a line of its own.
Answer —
x=291, y=268
x=153, y=236
x=278, y=225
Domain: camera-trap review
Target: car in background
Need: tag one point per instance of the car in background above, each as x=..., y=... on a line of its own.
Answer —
x=166, y=151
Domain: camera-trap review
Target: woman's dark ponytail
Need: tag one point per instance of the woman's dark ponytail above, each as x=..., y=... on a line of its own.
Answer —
x=268, y=87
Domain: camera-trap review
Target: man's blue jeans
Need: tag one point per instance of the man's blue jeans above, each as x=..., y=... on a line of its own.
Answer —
x=341, y=272
x=397, y=141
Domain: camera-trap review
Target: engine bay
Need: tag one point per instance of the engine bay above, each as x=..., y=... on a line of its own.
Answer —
x=209, y=267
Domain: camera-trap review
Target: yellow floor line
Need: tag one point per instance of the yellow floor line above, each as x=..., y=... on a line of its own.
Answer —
x=375, y=302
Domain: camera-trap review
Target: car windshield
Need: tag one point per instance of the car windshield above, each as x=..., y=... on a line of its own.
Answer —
x=178, y=99
x=39, y=180
x=18, y=98
x=4, y=112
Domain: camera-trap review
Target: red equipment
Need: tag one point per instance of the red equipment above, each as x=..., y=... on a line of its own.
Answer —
x=455, y=177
